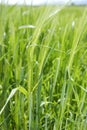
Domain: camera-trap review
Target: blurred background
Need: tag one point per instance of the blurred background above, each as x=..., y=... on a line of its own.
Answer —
x=41, y=2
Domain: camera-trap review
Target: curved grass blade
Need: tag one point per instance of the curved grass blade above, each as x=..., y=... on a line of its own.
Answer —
x=21, y=89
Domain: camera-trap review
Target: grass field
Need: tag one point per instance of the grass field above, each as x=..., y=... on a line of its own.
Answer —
x=43, y=68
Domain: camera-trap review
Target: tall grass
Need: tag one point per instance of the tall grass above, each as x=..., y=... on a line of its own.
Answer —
x=43, y=69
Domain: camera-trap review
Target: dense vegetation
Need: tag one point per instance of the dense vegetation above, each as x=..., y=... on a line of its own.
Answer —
x=43, y=68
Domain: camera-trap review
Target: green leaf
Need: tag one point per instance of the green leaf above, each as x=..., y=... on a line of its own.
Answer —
x=21, y=89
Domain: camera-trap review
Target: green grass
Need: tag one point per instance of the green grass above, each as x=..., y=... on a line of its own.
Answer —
x=43, y=68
